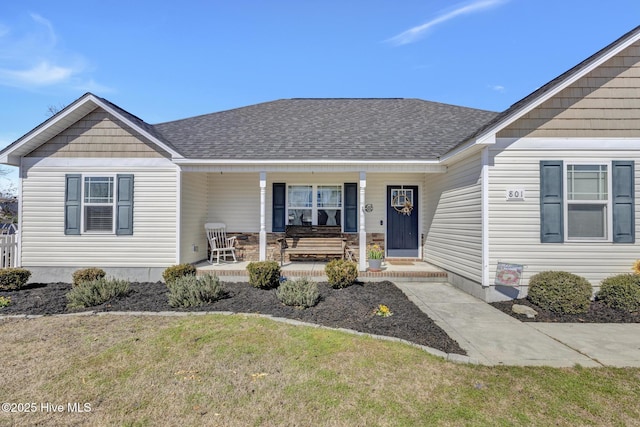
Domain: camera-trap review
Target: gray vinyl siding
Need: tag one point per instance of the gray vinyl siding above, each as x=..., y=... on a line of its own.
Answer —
x=453, y=218
x=514, y=226
x=153, y=243
x=195, y=202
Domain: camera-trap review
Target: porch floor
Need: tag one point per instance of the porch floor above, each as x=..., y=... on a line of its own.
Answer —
x=398, y=269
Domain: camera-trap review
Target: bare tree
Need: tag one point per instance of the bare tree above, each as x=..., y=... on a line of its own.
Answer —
x=52, y=110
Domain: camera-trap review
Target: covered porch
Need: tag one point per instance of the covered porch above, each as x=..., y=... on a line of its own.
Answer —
x=257, y=206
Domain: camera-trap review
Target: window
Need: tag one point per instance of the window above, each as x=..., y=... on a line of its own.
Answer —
x=587, y=205
x=314, y=205
x=583, y=202
x=98, y=204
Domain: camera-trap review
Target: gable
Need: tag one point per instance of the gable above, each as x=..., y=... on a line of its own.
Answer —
x=98, y=134
x=605, y=102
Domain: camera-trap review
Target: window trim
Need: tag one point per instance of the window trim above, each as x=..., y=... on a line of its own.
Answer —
x=608, y=203
x=83, y=204
x=314, y=201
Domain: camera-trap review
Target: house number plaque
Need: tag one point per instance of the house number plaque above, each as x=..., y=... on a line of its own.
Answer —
x=515, y=194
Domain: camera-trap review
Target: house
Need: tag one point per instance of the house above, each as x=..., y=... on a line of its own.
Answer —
x=548, y=184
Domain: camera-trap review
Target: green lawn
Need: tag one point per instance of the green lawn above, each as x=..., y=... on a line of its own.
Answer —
x=242, y=370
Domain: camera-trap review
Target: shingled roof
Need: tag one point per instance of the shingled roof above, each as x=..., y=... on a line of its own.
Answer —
x=347, y=129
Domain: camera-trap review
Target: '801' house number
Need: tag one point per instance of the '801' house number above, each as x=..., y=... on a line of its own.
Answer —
x=515, y=194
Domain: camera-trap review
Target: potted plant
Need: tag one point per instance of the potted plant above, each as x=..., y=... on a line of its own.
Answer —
x=374, y=256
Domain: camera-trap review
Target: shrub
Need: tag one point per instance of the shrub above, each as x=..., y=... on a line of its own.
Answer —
x=96, y=292
x=264, y=274
x=170, y=274
x=560, y=292
x=12, y=279
x=195, y=291
x=87, y=275
x=5, y=302
x=621, y=292
x=341, y=273
x=301, y=293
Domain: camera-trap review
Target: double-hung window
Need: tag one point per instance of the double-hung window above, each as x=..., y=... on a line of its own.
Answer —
x=314, y=205
x=588, y=203
x=99, y=204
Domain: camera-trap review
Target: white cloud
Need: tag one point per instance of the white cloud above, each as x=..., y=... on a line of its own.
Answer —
x=33, y=58
x=497, y=88
x=42, y=74
x=413, y=34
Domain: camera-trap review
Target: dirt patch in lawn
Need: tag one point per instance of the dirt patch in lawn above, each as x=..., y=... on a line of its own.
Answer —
x=597, y=313
x=351, y=308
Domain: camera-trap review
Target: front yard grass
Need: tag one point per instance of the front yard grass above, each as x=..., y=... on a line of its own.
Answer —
x=241, y=370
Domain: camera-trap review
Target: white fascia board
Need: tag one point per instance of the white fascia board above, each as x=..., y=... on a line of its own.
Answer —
x=493, y=130
x=12, y=155
x=200, y=165
x=568, y=143
x=174, y=154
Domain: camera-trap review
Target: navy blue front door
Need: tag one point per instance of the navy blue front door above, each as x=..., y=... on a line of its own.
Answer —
x=402, y=221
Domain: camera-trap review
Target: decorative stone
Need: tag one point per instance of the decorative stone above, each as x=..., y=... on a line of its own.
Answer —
x=523, y=309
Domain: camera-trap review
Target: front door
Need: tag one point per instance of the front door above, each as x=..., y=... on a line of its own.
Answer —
x=402, y=221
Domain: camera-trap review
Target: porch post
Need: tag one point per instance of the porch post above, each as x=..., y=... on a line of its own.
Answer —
x=362, y=256
x=263, y=216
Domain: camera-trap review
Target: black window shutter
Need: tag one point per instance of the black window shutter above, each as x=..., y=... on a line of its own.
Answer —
x=622, y=177
x=350, y=207
x=279, y=207
x=551, y=203
x=72, y=203
x=124, y=205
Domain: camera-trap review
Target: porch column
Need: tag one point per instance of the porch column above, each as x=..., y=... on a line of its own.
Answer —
x=263, y=216
x=362, y=256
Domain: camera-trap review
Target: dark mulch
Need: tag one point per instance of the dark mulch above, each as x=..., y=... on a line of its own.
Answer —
x=598, y=313
x=351, y=308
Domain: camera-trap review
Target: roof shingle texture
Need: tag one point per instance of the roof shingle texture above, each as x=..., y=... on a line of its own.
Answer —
x=329, y=129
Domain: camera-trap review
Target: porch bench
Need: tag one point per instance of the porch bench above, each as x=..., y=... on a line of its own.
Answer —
x=312, y=241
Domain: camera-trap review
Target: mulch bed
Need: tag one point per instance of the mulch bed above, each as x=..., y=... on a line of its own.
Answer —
x=351, y=308
x=598, y=313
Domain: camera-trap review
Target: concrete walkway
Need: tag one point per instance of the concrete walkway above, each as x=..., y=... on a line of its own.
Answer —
x=491, y=337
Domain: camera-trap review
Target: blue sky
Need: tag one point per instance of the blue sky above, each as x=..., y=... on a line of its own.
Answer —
x=168, y=60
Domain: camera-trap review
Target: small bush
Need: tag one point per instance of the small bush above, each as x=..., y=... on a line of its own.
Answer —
x=195, y=291
x=264, y=274
x=87, y=275
x=560, y=292
x=5, y=302
x=170, y=274
x=341, y=273
x=12, y=279
x=96, y=292
x=300, y=293
x=621, y=292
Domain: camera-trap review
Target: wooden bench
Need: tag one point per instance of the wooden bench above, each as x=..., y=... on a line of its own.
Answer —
x=312, y=241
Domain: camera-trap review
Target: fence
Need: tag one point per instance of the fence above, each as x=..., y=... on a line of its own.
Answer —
x=9, y=247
